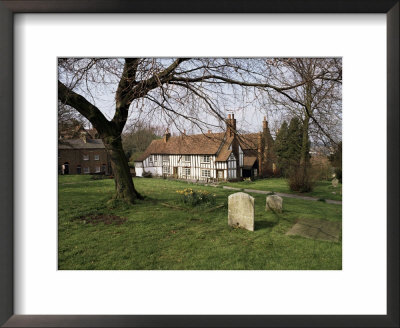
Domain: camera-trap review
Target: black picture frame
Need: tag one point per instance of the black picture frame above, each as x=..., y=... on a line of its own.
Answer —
x=10, y=7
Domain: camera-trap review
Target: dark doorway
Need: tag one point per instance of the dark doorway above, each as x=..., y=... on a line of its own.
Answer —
x=65, y=168
x=246, y=173
x=103, y=168
x=78, y=169
x=175, y=172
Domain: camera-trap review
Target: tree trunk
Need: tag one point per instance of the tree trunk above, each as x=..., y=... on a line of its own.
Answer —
x=304, y=143
x=125, y=190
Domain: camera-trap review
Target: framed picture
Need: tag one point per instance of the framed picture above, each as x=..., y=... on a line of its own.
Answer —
x=217, y=298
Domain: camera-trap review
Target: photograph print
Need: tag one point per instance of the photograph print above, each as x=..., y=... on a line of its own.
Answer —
x=200, y=163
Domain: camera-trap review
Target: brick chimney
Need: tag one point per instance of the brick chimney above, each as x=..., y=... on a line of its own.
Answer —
x=167, y=135
x=259, y=153
x=265, y=124
x=231, y=132
x=231, y=125
x=268, y=154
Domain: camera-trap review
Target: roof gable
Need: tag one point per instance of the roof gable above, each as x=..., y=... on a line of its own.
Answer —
x=80, y=144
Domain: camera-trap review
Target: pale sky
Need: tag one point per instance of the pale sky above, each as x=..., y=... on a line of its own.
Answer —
x=249, y=113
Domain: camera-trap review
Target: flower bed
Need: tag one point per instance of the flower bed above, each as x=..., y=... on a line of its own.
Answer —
x=196, y=197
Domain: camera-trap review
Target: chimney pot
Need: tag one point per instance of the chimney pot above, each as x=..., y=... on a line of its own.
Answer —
x=229, y=116
x=209, y=131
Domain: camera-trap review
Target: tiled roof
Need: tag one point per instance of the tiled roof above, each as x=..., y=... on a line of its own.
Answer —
x=225, y=152
x=248, y=162
x=79, y=144
x=197, y=144
x=202, y=144
x=248, y=141
x=250, y=152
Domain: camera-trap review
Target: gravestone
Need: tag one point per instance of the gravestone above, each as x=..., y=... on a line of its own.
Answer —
x=317, y=229
x=274, y=203
x=241, y=211
x=335, y=183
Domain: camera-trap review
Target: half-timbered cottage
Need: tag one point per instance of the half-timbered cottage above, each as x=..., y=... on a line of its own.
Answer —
x=210, y=156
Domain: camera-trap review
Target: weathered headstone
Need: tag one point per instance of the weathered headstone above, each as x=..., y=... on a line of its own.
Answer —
x=335, y=183
x=317, y=229
x=274, y=203
x=241, y=211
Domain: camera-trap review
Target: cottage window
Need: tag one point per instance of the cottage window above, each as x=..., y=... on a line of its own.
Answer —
x=166, y=158
x=206, y=159
x=155, y=158
x=187, y=158
x=205, y=173
x=186, y=171
x=97, y=169
x=165, y=170
x=85, y=157
x=151, y=158
x=86, y=170
x=96, y=157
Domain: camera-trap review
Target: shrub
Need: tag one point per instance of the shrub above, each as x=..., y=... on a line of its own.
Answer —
x=321, y=171
x=196, y=197
x=300, y=178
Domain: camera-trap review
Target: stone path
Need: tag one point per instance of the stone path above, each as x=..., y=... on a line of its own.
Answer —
x=266, y=192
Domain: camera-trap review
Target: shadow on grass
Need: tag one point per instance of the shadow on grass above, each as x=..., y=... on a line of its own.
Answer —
x=259, y=225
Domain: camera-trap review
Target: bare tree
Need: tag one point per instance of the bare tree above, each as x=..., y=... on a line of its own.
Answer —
x=137, y=137
x=67, y=115
x=178, y=89
x=317, y=102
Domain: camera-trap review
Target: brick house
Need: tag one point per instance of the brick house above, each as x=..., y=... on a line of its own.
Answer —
x=211, y=156
x=83, y=155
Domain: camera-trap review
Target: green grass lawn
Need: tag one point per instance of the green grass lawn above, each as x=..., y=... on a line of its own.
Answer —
x=322, y=189
x=158, y=237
